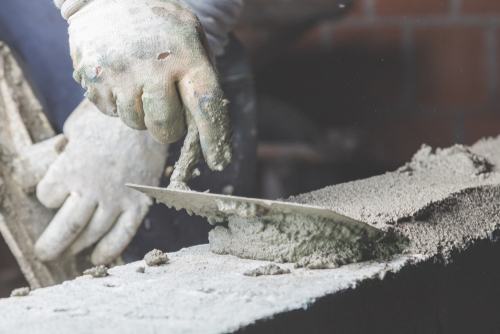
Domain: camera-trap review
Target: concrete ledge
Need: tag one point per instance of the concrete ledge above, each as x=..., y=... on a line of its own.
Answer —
x=200, y=292
x=433, y=296
x=197, y=292
x=447, y=203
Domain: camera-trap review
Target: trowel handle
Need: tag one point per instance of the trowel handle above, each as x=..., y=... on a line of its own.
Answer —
x=31, y=164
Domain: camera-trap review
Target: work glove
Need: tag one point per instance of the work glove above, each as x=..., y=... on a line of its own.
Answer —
x=87, y=182
x=149, y=63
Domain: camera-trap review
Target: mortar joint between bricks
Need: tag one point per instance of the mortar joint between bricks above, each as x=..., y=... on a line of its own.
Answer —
x=455, y=7
x=369, y=8
x=492, y=63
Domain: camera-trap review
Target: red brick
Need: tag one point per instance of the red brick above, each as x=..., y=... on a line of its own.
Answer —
x=370, y=38
x=360, y=76
x=483, y=125
x=411, y=7
x=264, y=1
x=402, y=136
x=309, y=41
x=497, y=60
x=370, y=63
x=451, y=66
x=252, y=36
x=481, y=7
x=357, y=9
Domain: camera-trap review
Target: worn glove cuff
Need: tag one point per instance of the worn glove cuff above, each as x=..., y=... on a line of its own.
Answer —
x=59, y=3
x=70, y=7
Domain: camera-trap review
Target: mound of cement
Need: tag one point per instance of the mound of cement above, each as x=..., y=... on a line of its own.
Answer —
x=440, y=200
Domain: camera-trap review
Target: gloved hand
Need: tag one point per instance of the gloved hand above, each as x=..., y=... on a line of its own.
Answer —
x=87, y=183
x=149, y=62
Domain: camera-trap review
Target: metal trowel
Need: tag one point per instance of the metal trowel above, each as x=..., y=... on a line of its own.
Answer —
x=218, y=208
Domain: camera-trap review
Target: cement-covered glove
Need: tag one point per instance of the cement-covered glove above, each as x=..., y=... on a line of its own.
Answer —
x=149, y=62
x=87, y=182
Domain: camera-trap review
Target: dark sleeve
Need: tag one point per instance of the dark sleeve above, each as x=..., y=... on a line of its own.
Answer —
x=37, y=32
x=218, y=18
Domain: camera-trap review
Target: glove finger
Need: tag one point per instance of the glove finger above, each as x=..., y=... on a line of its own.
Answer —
x=51, y=192
x=103, y=99
x=120, y=235
x=163, y=113
x=93, y=80
x=130, y=110
x=102, y=220
x=65, y=227
x=203, y=98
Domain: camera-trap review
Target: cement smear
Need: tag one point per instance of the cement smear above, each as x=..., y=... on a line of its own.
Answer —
x=439, y=201
x=270, y=269
x=292, y=237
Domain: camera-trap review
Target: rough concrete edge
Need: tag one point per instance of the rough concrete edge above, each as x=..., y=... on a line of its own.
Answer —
x=35, y=127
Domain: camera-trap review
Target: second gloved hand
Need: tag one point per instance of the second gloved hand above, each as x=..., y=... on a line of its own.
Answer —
x=87, y=182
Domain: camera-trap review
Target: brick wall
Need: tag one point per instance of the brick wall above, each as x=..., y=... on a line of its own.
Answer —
x=405, y=72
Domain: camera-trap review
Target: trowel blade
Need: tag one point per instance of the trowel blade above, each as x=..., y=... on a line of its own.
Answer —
x=220, y=207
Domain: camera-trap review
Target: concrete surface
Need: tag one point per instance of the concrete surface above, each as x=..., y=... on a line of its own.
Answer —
x=197, y=292
x=447, y=203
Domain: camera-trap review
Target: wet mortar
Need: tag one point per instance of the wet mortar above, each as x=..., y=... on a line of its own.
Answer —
x=438, y=202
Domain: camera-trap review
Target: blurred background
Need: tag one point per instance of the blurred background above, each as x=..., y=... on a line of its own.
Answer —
x=351, y=89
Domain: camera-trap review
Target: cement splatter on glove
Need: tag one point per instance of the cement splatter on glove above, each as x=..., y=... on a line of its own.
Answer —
x=87, y=183
x=149, y=63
